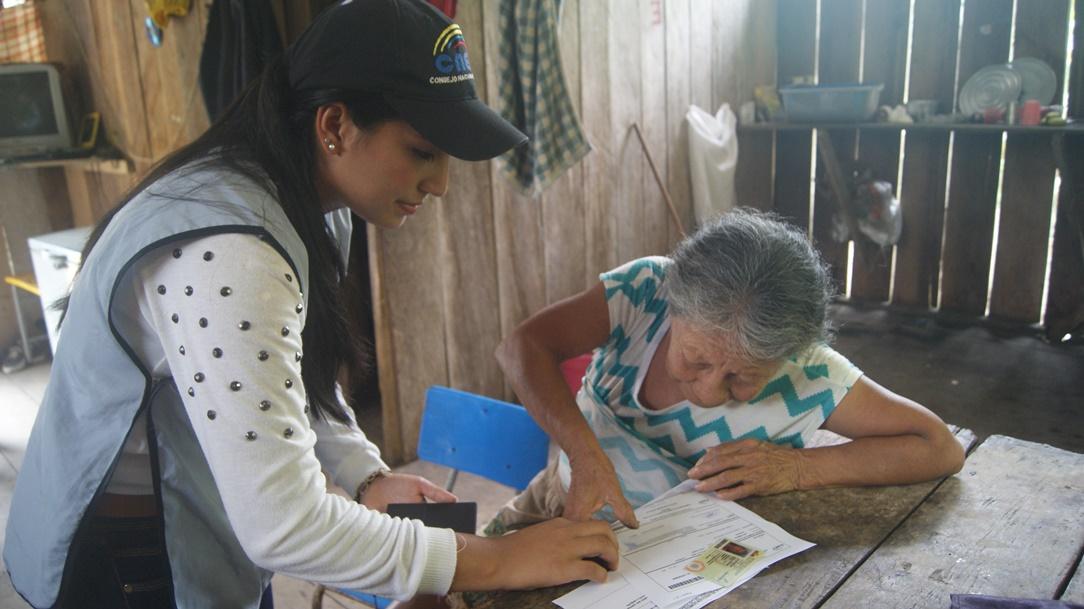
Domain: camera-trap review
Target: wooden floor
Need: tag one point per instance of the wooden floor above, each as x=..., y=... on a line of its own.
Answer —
x=989, y=381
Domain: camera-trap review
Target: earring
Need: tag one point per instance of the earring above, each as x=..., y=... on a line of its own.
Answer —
x=330, y=146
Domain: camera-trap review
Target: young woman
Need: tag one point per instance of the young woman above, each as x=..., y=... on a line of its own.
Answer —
x=177, y=455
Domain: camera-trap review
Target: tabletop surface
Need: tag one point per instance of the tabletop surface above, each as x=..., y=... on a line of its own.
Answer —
x=1010, y=523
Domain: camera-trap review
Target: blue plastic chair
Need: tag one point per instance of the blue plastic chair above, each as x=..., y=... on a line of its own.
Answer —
x=472, y=433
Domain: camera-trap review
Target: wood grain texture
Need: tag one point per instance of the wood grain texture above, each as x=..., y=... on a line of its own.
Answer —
x=701, y=32
x=885, y=53
x=753, y=180
x=826, y=206
x=933, y=51
x=1076, y=76
x=517, y=219
x=801, y=581
x=922, y=201
x=796, y=21
x=1074, y=592
x=1042, y=29
x=384, y=339
x=925, y=170
x=117, y=86
x=91, y=194
x=563, y=202
x=969, y=220
x=653, y=126
x=839, y=57
x=1020, y=259
x=884, y=61
x=598, y=166
x=414, y=289
x=24, y=213
x=172, y=99
x=1007, y=525
x=1065, y=303
x=467, y=250
x=629, y=167
x=808, y=579
x=871, y=273
x=969, y=223
x=679, y=75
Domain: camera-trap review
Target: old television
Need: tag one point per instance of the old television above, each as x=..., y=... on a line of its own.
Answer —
x=33, y=119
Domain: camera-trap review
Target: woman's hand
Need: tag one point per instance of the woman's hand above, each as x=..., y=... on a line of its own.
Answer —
x=402, y=488
x=547, y=554
x=748, y=467
x=594, y=485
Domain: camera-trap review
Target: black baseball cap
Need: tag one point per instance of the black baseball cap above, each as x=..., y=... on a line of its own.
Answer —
x=415, y=57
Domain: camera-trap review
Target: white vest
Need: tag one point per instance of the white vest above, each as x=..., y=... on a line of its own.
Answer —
x=98, y=387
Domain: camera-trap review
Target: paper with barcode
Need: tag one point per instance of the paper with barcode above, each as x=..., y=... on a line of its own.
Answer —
x=675, y=530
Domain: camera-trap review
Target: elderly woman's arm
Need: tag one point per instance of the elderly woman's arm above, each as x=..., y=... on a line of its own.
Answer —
x=894, y=441
x=530, y=358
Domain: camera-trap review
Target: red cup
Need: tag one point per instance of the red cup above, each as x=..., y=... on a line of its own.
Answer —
x=993, y=115
x=1031, y=112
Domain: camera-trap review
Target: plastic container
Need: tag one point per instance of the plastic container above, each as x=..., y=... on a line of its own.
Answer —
x=830, y=103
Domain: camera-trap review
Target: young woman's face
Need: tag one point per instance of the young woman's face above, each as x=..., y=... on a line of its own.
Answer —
x=703, y=366
x=383, y=174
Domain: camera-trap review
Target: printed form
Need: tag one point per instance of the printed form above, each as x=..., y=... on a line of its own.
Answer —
x=681, y=533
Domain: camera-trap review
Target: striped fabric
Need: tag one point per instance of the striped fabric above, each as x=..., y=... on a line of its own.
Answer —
x=21, y=37
x=652, y=449
x=534, y=96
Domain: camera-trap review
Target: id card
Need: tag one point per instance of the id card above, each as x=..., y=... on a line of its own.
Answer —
x=724, y=562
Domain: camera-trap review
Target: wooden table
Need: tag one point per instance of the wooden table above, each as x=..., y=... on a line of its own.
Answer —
x=1011, y=523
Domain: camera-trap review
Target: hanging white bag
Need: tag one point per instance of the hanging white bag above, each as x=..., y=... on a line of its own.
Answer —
x=713, y=159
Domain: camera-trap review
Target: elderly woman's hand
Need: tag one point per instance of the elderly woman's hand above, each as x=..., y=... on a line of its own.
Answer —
x=594, y=485
x=747, y=467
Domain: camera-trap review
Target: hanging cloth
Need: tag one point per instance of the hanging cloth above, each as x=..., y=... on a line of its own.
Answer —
x=242, y=38
x=534, y=95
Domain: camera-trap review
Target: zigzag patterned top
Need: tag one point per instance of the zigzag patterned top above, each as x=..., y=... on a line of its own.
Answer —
x=652, y=449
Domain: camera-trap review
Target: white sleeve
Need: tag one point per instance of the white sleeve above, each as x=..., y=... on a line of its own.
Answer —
x=344, y=451
x=227, y=309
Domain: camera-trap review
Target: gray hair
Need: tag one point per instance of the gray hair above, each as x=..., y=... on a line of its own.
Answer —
x=757, y=280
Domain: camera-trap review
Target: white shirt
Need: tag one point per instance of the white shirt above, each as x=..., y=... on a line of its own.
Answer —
x=222, y=315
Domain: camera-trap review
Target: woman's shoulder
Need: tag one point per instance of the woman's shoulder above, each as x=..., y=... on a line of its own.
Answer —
x=638, y=270
x=821, y=361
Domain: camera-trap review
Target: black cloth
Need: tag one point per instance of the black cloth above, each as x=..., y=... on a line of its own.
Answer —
x=242, y=38
x=122, y=562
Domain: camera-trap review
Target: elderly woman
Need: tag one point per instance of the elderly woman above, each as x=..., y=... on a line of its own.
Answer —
x=711, y=364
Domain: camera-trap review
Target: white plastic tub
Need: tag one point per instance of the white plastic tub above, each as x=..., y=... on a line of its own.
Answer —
x=831, y=103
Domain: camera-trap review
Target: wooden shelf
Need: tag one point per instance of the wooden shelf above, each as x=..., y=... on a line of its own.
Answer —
x=1075, y=128
x=115, y=166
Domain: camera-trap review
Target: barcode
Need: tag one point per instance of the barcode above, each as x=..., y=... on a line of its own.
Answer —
x=684, y=583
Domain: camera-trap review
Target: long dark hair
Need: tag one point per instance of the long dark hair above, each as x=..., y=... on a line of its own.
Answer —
x=268, y=136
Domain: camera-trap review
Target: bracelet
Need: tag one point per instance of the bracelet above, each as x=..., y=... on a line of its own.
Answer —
x=459, y=537
x=364, y=486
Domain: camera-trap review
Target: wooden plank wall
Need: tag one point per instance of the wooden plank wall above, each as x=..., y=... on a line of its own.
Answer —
x=467, y=270
x=148, y=102
x=977, y=206
x=148, y=97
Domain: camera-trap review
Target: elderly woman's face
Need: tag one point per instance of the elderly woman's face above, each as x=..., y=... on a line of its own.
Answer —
x=704, y=367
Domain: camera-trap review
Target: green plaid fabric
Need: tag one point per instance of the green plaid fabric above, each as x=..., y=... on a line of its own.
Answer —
x=534, y=95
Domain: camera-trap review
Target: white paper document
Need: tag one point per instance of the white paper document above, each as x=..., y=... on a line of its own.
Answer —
x=675, y=529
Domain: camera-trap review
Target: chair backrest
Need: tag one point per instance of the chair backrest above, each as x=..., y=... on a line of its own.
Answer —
x=483, y=436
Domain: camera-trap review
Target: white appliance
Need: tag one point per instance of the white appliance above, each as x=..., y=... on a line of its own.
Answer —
x=56, y=258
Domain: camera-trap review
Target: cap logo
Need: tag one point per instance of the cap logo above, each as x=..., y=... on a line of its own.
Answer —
x=450, y=57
